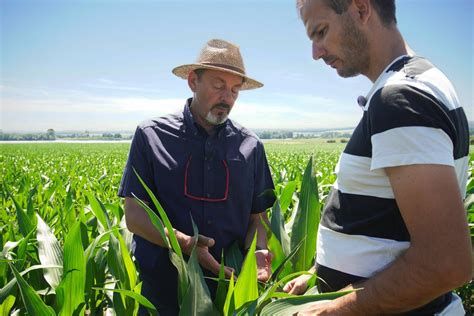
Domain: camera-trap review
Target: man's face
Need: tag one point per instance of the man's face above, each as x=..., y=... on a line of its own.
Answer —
x=336, y=39
x=214, y=95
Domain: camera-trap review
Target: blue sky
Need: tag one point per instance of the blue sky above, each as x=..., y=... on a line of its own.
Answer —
x=106, y=65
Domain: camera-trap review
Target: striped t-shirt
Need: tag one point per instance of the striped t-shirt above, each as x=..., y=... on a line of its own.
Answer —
x=412, y=116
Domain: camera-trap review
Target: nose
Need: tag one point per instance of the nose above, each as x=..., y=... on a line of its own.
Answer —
x=228, y=96
x=318, y=51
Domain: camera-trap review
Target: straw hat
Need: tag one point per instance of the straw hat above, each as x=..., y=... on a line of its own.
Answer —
x=223, y=56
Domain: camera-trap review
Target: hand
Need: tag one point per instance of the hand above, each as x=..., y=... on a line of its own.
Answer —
x=264, y=260
x=316, y=308
x=298, y=285
x=205, y=259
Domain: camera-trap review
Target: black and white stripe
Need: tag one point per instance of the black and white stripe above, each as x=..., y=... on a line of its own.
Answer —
x=412, y=116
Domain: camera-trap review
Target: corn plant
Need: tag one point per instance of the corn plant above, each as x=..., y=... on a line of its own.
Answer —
x=64, y=248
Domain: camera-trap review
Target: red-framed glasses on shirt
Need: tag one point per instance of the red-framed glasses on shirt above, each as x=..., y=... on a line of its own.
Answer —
x=202, y=198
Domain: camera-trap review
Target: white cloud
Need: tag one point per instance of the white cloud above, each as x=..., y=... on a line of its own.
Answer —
x=75, y=109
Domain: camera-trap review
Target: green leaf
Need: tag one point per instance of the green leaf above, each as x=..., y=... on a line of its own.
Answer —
x=222, y=287
x=282, y=267
x=275, y=248
x=287, y=195
x=70, y=292
x=33, y=303
x=234, y=258
x=99, y=211
x=294, y=304
x=7, y=305
x=197, y=300
x=229, y=304
x=164, y=218
x=278, y=228
x=136, y=296
x=6, y=290
x=246, y=287
x=25, y=224
x=269, y=292
x=49, y=252
x=306, y=221
x=155, y=220
x=248, y=309
x=183, y=279
x=22, y=252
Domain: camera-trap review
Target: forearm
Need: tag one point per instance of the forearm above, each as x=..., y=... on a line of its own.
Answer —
x=405, y=285
x=139, y=223
x=255, y=225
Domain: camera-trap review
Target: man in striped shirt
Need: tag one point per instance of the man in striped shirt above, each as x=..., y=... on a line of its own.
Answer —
x=394, y=226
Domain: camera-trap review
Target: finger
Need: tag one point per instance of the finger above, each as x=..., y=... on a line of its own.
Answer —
x=228, y=272
x=294, y=290
x=205, y=241
x=288, y=286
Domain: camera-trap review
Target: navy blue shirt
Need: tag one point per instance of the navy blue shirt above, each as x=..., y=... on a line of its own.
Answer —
x=224, y=176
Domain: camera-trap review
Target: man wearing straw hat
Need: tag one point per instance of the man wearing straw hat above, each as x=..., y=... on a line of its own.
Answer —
x=394, y=226
x=200, y=165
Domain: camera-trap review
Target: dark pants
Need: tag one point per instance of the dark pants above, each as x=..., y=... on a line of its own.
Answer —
x=166, y=305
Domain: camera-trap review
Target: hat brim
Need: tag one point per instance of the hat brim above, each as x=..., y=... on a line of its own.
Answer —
x=184, y=70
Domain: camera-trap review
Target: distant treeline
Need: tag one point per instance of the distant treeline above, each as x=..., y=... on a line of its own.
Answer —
x=52, y=135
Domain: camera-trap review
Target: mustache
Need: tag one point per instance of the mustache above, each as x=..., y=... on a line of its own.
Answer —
x=221, y=105
x=329, y=59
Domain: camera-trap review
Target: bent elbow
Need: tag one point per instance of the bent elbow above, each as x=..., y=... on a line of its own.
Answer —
x=458, y=272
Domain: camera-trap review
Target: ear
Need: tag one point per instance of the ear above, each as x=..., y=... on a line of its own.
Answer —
x=362, y=10
x=192, y=81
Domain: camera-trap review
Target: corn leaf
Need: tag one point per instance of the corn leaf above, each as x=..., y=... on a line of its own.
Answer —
x=246, y=287
x=25, y=224
x=270, y=291
x=33, y=303
x=282, y=267
x=134, y=295
x=287, y=195
x=49, y=252
x=222, y=287
x=6, y=290
x=155, y=220
x=197, y=300
x=229, y=304
x=164, y=218
x=234, y=258
x=275, y=248
x=294, y=304
x=70, y=292
x=7, y=305
x=99, y=211
x=278, y=228
x=248, y=309
x=183, y=279
x=306, y=221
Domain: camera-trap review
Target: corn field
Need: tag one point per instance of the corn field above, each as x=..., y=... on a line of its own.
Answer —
x=65, y=246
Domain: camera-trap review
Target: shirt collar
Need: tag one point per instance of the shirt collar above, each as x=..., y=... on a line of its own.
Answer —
x=194, y=129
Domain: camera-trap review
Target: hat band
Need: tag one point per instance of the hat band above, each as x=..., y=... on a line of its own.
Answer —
x=239, y=70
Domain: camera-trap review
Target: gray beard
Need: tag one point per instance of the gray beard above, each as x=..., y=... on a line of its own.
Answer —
x=215, y=120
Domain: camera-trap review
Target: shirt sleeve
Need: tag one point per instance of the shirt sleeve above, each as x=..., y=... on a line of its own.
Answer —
x=263, y=196
x=407, y=127
x=138, y=160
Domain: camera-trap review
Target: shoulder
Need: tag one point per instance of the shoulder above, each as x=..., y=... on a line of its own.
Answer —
x=243, y=132
x=167, y=122
x=412, y=79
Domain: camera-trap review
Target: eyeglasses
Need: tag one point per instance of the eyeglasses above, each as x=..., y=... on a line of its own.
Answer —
x=201, y=198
